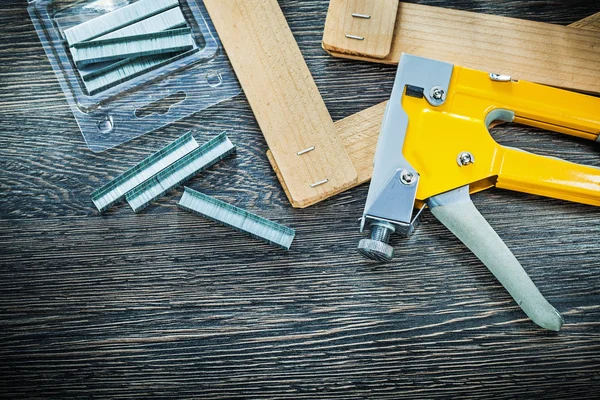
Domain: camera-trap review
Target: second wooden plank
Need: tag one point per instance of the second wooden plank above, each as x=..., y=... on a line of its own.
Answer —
x=534, y=51
x=364, y=28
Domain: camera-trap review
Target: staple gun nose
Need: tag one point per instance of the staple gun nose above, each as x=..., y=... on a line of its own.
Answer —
x=435, y=149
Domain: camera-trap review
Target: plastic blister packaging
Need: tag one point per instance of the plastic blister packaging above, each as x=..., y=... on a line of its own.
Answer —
x=176, y=88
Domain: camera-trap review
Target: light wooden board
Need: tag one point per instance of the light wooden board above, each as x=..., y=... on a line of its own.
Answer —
x=591, y=23
x=359, y=132
x=376, y=32
x=284, y=98
x=534, y=51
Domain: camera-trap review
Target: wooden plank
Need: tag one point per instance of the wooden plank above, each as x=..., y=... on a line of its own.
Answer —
x=533, y=51
x=591, y=23
x=359, y=132
x=361, y=27
x=284, y=98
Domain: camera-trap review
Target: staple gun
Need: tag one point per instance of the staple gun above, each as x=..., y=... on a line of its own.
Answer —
x=435, y=149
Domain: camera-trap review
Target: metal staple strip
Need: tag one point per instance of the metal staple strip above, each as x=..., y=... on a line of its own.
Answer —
x=170, y=41
x=116, y=190
x=193, y=163
x=117, y=19
x=130, y=69
x=170, y=19
x=236, y=218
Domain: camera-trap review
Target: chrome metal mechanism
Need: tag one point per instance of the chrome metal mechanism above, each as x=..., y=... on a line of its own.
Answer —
x=394, y=183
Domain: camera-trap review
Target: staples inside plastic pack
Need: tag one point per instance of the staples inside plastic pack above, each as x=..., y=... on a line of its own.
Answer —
x=128, y=67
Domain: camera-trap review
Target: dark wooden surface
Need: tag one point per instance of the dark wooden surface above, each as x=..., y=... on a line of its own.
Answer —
x=165, y=304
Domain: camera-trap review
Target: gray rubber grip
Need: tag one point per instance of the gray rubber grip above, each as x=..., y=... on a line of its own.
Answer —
x=467, y=224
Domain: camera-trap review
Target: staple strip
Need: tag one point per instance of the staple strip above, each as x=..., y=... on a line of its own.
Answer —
x=237, y=218
x=116, y=190
x=117, y=19
x=185, y=168
x=130, y=69
x=171, y=19
x=89, y=72
x=170, y=41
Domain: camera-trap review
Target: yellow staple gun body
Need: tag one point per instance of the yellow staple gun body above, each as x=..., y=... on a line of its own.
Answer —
x=435, y=148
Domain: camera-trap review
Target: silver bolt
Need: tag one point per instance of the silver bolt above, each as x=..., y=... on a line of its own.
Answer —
x=407, y=177
x=437, y=93
x=465, y=158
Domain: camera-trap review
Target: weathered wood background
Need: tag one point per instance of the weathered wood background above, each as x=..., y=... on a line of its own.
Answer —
x=166, y=304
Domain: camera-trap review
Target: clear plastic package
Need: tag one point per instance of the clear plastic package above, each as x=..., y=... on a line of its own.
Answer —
x=174, y=87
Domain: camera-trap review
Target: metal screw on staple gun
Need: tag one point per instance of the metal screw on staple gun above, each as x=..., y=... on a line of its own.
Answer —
x=465, y=158
x=407, y=177
x=437, y=93
x=377, y=247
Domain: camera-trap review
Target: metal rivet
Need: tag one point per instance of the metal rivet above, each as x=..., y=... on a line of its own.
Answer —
x=465, y=158
x=438, y=93
x=364, y=16
x=407, y=177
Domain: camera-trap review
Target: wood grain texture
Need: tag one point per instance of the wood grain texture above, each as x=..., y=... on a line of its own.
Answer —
x=284, y=98
x=359, y=134
x=167, y=305
x=527, y=50
x=376, y=31
x=592, y=23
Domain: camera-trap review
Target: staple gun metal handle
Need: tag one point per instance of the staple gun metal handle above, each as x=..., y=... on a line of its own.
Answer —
x=435, y=149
